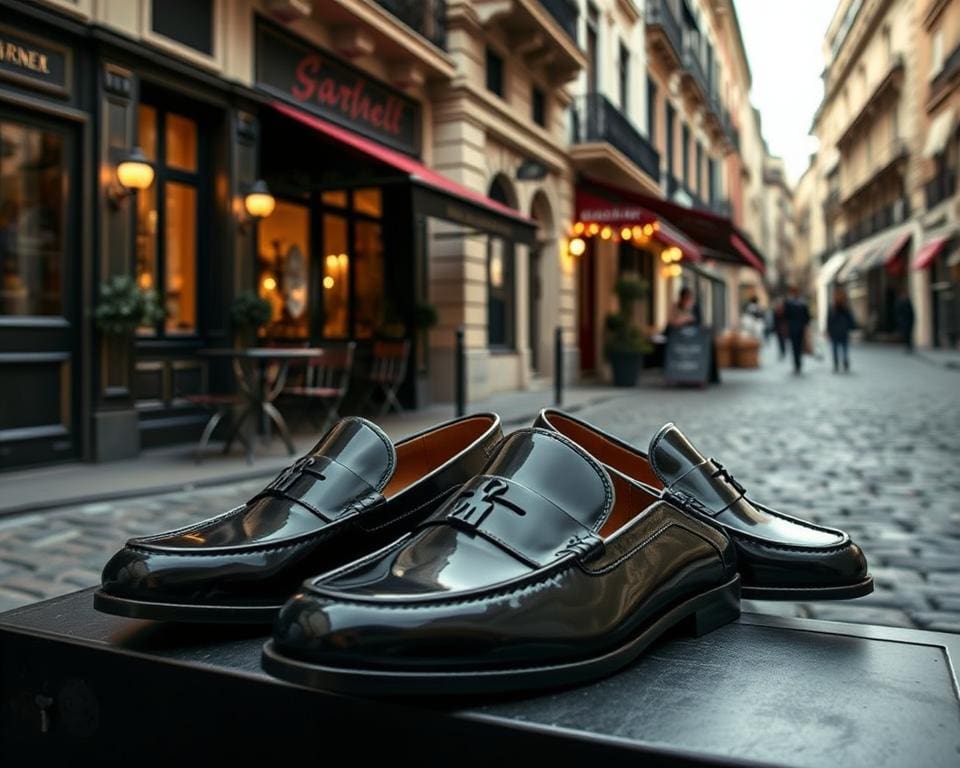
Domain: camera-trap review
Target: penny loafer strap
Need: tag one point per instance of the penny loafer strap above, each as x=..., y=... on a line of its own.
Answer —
x=708, y=488
x=518, y=520
x=325, y=487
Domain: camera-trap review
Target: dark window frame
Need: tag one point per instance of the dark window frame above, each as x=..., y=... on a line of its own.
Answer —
x=494, y=69
x=187, y=27
x=538, y=106
x=651, y=111
x=624, y=77
x=685, y=153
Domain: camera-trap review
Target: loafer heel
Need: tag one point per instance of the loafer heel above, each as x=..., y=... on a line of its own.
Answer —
x=722, y=607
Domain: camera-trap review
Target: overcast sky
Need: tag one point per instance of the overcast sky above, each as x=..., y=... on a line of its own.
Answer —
x=784, y=40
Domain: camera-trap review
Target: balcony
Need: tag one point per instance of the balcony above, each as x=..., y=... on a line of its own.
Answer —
x=695, y=71
x=888, y=163
x=946, y=80
x=663, y=31
x=606, y=143
x=565, y=13
x=543, y=32
x=888, y=86
x=426, y=17
x=940, y=187
x=679, y=192
x=410, y=35
x=888, y=216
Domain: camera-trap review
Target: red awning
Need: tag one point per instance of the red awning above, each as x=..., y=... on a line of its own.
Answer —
x=893, y=253
x=929, y=252
x=417, y=171
x=595, y=209
x=717, y=236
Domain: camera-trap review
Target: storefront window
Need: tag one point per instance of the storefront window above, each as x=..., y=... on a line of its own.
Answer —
x=336, y=198
x=368, y=202
x=283, y=277
x=336, y=277
x=32, y=176
x=167, y=216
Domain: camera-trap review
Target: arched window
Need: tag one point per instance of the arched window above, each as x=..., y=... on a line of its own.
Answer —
x=501, y=300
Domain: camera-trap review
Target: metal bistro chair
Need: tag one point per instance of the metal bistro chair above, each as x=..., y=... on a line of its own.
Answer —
x=324, y=381
x=219, y=405
x=388, y=369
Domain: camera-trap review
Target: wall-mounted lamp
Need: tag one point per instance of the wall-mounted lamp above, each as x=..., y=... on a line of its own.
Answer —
x=134, y=173
x=258, y=202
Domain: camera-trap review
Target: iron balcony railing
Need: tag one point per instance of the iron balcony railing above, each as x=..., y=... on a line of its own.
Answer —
x=940, y=187
x=596, y=119
x=693, y=65
x=565, y=13
x=428, y=17
x=675, y=185
x=881, y=219
x=659, y=14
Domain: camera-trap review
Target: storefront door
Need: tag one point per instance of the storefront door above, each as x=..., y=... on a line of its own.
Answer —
x=38, y=279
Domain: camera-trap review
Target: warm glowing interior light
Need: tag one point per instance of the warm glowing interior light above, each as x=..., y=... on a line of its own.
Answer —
x=656, y=226
x=593, y=228
x=578, y=228
x=328, y=282
x=605, y=233
x=269, y=283
x=332, y=261
x=145, y=281
x=626, y=233
x=648, y=229
x=577, y=246
x=342, y=260
x=637, y=231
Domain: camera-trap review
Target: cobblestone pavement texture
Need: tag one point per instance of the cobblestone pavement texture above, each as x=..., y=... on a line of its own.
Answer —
x=873, y=452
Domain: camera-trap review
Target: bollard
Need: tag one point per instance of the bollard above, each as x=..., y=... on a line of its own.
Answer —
x=558, y=367
x=460, y=374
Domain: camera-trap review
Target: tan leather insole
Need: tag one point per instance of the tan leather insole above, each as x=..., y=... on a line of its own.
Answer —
x=420, y=456
x=606, y=451
x=630, y=501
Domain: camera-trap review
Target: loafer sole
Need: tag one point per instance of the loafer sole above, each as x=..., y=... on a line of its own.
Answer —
x=184, y=612
x=699, y=615
x=843, y=592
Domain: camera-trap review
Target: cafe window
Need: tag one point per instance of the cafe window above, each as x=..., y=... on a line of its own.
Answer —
x=501, y=293
x=168, y=227
x=283, y=269
x=189, y=22
x=32, y=219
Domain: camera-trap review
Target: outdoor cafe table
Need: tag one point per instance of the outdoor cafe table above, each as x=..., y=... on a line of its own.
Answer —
x=79, y=687
x=252, y=367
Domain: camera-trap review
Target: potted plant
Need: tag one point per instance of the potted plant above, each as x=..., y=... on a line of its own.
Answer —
x=624, y=343
x=123, y=307
x=248, y=313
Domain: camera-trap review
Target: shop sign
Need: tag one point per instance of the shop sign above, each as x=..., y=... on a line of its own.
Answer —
x=614, y=214
x=34, y=62
x=318, y=82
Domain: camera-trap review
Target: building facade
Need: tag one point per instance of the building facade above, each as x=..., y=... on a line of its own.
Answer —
x=422, y=159
x=886, y=165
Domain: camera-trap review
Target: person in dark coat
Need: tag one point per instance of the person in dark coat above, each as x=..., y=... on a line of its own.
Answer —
x=905, y=318
x=797, y=317
x=839, y=324
x=779, y=323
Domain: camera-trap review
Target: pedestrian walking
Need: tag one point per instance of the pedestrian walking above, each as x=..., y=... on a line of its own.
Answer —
x=797, y=317
x=840, y=322
x=780, y=325
x=905, y=318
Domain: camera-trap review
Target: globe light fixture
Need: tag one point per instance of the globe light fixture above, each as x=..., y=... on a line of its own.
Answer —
x=259, y=203
x=134, y=173
x=577, y=246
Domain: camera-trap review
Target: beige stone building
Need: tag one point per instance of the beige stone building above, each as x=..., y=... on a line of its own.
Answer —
x=777, y=228
x=884, y=168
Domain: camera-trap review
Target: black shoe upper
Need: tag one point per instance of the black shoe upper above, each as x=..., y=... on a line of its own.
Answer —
x=774, y=550
x=353, y=493
x=541, y=559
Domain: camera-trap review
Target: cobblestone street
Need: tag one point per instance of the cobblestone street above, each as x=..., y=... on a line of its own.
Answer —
x=873, y=452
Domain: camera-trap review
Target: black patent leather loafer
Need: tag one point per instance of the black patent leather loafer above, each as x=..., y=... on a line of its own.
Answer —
x=780, y=557
x=543, y=571
x=352, y=494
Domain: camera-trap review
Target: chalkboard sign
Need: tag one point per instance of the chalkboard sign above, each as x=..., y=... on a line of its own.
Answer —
x=688, y=354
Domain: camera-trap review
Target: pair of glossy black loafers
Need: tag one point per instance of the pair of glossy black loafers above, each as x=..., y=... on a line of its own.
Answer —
x=461, y=561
